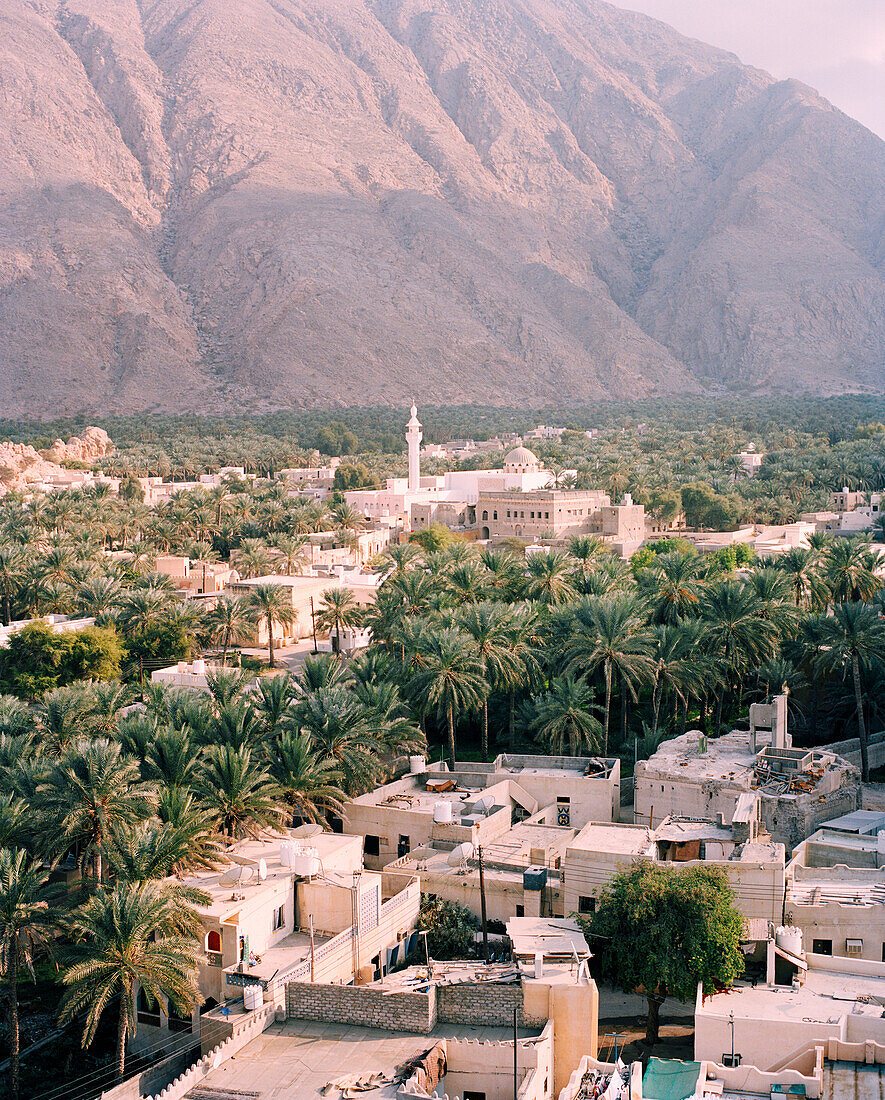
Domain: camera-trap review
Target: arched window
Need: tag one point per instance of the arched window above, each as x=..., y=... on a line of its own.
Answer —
x=213, y=941
x=494, y=515
x=485, y=515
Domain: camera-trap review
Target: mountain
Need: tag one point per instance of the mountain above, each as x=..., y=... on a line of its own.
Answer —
x=269, y=203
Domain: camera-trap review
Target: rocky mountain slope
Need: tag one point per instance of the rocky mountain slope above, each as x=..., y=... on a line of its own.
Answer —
x=217, y=205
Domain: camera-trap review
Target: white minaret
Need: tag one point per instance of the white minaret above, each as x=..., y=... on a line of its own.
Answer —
x=413, y=439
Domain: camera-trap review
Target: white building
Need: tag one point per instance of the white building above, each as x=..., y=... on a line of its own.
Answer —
x=522, y=473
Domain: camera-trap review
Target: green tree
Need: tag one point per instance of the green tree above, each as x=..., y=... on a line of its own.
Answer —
x=664, y=930
x=130, y=937
x=434, y=537
x=25, y=929
x=450, y=928
x=237, y=791
x=491, y=626
x=309, y=782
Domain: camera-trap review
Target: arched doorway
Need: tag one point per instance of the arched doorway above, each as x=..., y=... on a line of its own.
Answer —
x=484, y=533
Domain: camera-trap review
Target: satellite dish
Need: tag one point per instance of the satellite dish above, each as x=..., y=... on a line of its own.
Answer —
x=262, y=870
x=484, y=804
x=459, y=856
x=237, y=874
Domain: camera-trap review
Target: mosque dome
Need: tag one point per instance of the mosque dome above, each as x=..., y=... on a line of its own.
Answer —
x=521, y=459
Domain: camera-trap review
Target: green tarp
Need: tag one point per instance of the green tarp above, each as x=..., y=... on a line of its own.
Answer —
x=668, y=1079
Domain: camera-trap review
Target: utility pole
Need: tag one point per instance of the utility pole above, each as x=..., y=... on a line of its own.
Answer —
x=313, y=622
x=515, y=1055
x=482, y=902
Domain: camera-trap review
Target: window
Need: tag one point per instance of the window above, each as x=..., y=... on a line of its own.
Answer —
x=495, y=515
x=278, y=919
x=485, y=514
x=468, y=1095
x=520, y=910
x=372, y=845
x=213, y=941
x=586, y=905
x=404, y=847
x=822, y=947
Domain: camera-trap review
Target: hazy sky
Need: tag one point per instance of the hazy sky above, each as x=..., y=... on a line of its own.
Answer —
x=837, y=46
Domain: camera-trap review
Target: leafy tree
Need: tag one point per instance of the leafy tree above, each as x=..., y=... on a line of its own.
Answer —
x=450, y=928
x=434, y=537
x=37, y=659
x=230, y=622
x=352, y=475
x=664, y=930
x=237, y=791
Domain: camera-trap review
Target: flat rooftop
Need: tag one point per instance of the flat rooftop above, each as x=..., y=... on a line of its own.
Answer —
x=860, y=822
x=512, y=765
x=249, y=853
x=547, y=936
x=727, y=759
x=617, y=839
x=295, y=1059
x=411, y=793
x=825, y=997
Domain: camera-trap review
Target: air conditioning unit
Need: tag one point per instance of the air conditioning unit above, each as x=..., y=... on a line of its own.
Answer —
x=854, y=947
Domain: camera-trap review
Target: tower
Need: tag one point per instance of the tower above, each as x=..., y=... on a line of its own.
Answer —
x=413, y=439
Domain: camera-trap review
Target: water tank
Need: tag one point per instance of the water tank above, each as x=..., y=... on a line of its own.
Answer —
x=305, y=862
x=539, y=964
x=199, y=665
x=442, y=813
x=789, y=939
x=534, y=878
x=287, y=851
x=417, y=765
x=253, y=997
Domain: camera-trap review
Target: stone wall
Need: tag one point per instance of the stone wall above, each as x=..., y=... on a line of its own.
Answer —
x=850, y=750
x=489, y=1004
x=363, y=1006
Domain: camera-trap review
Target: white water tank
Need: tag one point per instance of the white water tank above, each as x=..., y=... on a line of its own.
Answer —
x=253, y=997
x=199, y=665
x=789, y=939
x=539, y=964
x=417, y=765
x=442, y=813
x=287, y=850
x=305, y=862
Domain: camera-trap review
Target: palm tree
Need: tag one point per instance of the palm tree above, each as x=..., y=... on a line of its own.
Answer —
x=238, y=793
x=129, y=938
x=855, y=637
x=490, y=625
x=452, y=679
x=91, y=793
x=339, y=611
x=291, y=552
x=736, y=632
x=12, y=563
x=565, y=719
x=272, y=605
x=309, y=783
x=252, y=559
x=849, y=571
x=230, y=622
x=673, y=586
x=801, y=568
x=607, y=636
x=25, y=928
x=549, y=581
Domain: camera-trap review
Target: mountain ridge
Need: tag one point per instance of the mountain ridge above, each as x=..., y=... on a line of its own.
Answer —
x=348, y=201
